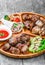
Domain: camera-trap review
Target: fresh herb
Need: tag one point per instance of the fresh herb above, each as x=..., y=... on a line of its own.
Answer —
x=43, y=41
x=42, y=47
x=1, y=34
x=6, y=17
x=15, y=25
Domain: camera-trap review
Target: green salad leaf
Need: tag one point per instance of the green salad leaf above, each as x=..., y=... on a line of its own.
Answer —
x=42, y=47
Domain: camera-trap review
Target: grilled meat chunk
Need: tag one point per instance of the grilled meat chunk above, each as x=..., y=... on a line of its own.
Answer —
x=13, y=41
x=39, y=23
x=34, y=18
x=14, y=50
x=19, y=45
x=36, y=29
x=42, y=30
x=24, y=48
x=6, y=46
x=29, y=24
x=25, y=37
x=26, y=17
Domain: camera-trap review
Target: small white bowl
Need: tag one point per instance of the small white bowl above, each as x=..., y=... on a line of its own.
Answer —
x=3, y=27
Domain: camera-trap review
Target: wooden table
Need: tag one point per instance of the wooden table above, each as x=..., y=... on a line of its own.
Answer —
x=11, y=6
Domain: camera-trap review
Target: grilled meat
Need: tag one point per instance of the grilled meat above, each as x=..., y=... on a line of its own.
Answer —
x=36, y=29
x=6, y=46
x=14, y=50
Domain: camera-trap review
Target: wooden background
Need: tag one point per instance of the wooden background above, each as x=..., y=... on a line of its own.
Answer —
x=12, y=6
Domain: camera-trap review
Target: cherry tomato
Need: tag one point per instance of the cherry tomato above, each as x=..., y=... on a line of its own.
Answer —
x=15, y=19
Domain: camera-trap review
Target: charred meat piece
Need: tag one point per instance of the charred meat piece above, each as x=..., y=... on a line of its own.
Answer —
x=18, y=39
x=21, y=39
x=34, y=18
x=24, y=49
x=13, y=41
x=26, y=17
x=29, y=24
x=6, y=47
x=39, y=23
x=19, y=45
x=36, y=29
x=32, y=24
x=42, y=30
x=25, y=38
x=14, y=50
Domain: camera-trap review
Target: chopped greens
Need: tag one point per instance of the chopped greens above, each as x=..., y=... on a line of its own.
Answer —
x=37, y=44
x=42, y=47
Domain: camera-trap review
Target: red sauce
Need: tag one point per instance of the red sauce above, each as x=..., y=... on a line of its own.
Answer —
x=3, y=34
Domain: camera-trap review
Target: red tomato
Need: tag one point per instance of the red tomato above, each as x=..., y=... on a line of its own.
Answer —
x=15, y=19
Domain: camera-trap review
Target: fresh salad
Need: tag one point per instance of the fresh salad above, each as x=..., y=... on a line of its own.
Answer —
x=37, y=44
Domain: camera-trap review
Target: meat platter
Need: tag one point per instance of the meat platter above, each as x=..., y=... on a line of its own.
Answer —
x=28, y=35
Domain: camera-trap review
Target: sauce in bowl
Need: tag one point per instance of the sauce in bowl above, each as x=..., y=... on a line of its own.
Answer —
x=3, y=34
